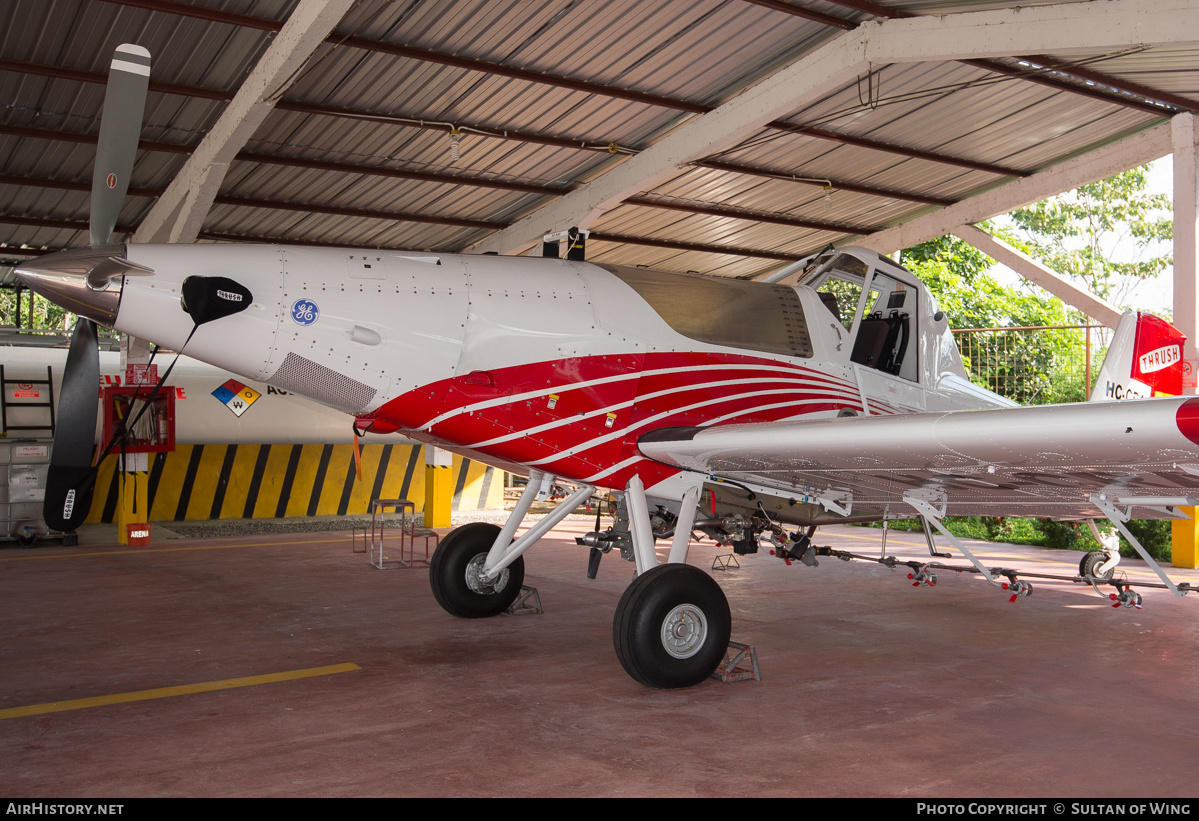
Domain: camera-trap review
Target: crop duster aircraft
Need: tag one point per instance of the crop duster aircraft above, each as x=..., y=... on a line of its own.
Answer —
x=736, y=409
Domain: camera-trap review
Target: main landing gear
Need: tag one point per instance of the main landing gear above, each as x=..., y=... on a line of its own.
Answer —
x=456, y=574
x=672, y=625
x=478, y=569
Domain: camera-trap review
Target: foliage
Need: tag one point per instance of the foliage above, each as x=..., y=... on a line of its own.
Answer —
x=45, y=313
x=1077, y=234
x=1154, y=535
x=1029, y=368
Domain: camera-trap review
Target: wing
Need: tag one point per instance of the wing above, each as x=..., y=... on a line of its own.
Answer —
x=1059, y=461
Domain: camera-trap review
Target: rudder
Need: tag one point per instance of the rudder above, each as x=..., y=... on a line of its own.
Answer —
x=1143, y=361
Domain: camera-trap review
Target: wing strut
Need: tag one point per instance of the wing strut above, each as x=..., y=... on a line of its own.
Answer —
x=932, y=515
x=1119, y=518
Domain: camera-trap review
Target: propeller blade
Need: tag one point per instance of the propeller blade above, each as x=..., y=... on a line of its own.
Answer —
x=70, y=479
x=120, y=130
x=593, y=560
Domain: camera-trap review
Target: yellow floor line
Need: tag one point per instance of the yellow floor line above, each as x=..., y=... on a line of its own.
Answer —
x=878, y=539
x=143, y=550
x=168, y=692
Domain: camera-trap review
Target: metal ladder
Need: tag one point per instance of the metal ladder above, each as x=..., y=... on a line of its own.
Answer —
x=6, y=404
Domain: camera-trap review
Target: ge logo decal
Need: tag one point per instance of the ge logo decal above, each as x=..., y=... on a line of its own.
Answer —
x=304, y=311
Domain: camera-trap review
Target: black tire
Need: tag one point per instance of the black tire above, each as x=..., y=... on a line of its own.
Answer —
x=1093, y=559
x=678, y=595
x=461, y=554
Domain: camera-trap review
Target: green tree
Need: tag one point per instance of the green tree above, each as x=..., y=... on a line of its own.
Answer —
x=1030, y=368
x=956, y=273
x=1079, y=233
x=34, y=311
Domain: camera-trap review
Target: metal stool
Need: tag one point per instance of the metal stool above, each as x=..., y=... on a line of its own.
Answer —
x=409, y=533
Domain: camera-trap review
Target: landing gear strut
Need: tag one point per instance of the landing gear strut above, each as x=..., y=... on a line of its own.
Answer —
x=456, y=574
x=672, y=626
x=478, y=569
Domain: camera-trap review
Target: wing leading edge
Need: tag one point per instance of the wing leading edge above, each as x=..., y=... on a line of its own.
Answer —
x=1053, y=460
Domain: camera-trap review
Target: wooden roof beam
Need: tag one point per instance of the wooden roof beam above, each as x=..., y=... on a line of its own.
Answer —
x=179, y=213
x=1110, y=25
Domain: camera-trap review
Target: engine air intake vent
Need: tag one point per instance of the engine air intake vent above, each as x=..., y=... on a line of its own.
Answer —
x=325, y=385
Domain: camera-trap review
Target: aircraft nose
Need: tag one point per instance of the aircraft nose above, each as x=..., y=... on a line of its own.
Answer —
x=86, y=281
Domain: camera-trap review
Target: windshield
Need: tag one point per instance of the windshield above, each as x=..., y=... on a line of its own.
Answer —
x=882, y=320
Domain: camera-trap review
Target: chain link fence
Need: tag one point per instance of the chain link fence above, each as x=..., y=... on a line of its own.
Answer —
x=1034, y=365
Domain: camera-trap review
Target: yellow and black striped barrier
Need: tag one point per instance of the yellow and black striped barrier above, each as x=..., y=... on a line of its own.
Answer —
x=276, y=481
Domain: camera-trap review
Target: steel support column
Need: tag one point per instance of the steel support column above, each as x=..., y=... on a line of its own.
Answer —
x=439, y=486
x=1185, y=136
x=1184, y=534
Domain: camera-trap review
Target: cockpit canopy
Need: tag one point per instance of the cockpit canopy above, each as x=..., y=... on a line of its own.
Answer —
x=891, y=321
x=884, y=316
x=877, y=308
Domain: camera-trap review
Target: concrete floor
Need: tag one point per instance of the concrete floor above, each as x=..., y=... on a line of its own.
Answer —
x=870, y=686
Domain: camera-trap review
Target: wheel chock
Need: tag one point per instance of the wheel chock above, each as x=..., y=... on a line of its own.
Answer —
x=728, y=562
x=734, y=668
x=528, y=603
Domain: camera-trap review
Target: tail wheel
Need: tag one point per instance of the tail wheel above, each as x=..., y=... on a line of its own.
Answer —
x=672, y=627
x=1092, y=560
x=456, y=574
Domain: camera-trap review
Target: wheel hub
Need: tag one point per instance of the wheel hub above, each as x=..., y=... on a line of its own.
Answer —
x=476, y=581
x=684, y=631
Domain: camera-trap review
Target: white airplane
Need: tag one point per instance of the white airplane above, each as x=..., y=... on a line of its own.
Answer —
x=722, y=406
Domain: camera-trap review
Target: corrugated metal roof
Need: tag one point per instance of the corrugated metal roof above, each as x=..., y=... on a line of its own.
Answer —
x=695, y=52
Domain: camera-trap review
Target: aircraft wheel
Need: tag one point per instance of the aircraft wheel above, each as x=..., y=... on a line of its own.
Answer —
x=672, y=627
x=455, y=574
x=1093, y=559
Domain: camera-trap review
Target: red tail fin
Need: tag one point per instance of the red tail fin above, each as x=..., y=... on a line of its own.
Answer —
x=1144, y=360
